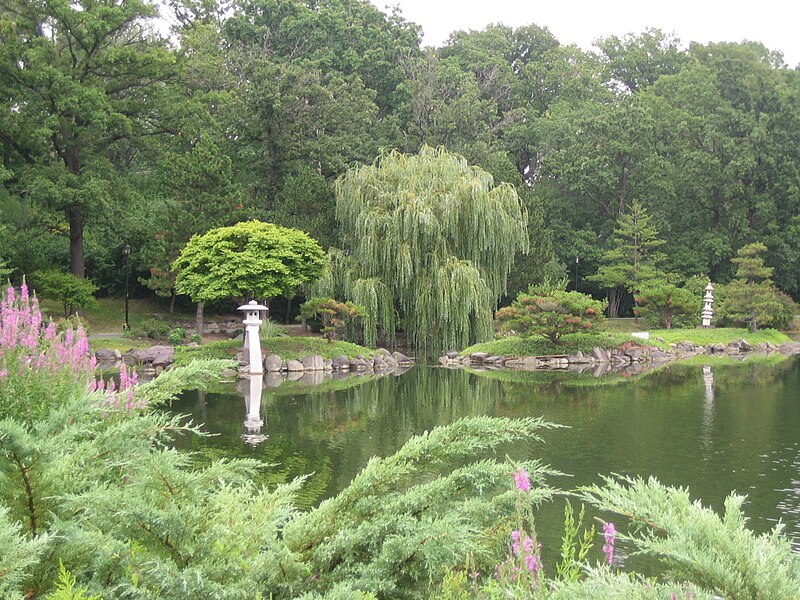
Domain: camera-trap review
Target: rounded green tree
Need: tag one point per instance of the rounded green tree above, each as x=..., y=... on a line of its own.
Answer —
x=429, y=239
x=251, y=259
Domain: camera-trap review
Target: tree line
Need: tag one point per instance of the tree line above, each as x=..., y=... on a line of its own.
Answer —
x=115, y=132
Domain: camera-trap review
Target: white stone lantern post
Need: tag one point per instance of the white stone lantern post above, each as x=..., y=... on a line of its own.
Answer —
x=708, y=300
x=252, y=323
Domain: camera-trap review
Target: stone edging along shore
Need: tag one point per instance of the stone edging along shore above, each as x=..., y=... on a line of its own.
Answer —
x=158, y=358
x=629, y=353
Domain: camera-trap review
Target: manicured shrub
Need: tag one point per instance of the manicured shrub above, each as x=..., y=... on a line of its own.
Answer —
x=552, y=314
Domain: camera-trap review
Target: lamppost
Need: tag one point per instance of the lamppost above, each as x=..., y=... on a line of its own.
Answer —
x=126, y=252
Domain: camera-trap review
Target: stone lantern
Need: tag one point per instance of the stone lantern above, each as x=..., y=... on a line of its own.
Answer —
x=252, y=322
x=708, y=311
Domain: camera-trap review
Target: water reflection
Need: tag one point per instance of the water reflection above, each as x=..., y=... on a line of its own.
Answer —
x=708, y=405
x=253, y=422
x=731, y=428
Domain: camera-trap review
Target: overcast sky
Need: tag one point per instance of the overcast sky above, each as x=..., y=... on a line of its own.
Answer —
x=775, y=23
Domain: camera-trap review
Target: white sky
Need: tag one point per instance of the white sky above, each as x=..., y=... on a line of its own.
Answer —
x=775, y=23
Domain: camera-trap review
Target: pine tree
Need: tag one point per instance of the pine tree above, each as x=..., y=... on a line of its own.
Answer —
x=752, y=297
x=632, y=258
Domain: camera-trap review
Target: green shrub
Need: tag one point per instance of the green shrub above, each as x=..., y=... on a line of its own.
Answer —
x=73, y=292
x=336, y=317
x=176, y=336
x=154, y=328
x=665, y=305
x=196, y=338
x=552, y=314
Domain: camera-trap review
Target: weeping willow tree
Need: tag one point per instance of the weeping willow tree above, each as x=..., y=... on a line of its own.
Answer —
x=429, y=242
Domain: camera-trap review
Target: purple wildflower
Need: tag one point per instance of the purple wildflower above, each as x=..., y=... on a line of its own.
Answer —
x=522, y=480
x=610, y=536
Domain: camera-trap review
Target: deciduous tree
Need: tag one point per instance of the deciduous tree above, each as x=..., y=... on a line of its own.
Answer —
x=432, y=237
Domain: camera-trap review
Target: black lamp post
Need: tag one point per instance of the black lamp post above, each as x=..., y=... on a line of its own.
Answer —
x=126, y=252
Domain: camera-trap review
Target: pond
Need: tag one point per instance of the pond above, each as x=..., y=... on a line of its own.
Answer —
x=715, y=428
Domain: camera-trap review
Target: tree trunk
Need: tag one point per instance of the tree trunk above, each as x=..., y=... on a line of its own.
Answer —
x=614, y=298
x=172, y=301
x=199, y=319
x=288, y=310
x=75, y=220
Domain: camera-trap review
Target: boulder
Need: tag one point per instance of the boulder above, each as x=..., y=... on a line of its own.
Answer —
x=745, y=346
x=294, y=366
x=601, y=355
x=272, y=363
x=313, y=362
x=383, y=352
x=402, y=359
x=452, y=354
x=108, y=355
x=634, y=353
x=479, y=357
x=158, y=356
x=341, y=363
x=359, y=364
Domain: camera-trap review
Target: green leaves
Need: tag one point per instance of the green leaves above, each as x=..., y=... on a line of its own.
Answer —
x=250, y=259
x=718, y=553
x=438, y=235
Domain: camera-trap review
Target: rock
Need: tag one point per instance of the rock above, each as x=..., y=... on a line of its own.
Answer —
x=657, y=354
x=294, y=366
x=272, y=363
x=359, y=364
x=686, y=346
x=529, y=363
x=634, y=353
x=600, y=355
x=718, y=348
x=745, y=346
x=108, y=355
x=444, y=361
x=452, y=354
x=479, y=356
x=294, y=375
x=327, y=364
x=157, y=356
x=378, y=364
x=383, y=352
x=402, y=359
x=341, y=363
x=493, y=360
x=761, y=347
x=313, y=362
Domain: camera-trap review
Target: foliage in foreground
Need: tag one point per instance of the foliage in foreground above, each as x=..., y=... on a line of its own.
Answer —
x=95, y=503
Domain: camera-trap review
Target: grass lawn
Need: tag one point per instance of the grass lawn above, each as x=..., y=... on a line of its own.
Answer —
x=570, y=344
x=540, y=346
x=108, y=314
x=721, y=335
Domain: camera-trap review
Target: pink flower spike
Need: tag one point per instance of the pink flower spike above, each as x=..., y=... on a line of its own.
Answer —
x=522, y=480
x=610, y=536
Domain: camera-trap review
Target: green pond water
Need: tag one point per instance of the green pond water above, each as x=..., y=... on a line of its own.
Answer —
x=714, y=428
